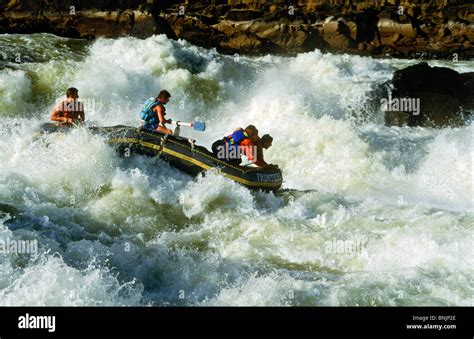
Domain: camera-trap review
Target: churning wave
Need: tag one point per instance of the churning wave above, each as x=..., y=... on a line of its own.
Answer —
x=369, y=215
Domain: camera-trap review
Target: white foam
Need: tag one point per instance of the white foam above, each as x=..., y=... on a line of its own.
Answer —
x=50, y=282
x=15, y=93
x=405, y=193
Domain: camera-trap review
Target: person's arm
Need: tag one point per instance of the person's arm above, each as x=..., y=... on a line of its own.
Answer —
x=162, y=121
x=82, y=115
x=259, y=161
x=55, y=115
x=249, y=149
x=161, y=116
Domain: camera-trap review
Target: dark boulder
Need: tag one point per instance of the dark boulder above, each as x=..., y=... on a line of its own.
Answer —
x=430, y=96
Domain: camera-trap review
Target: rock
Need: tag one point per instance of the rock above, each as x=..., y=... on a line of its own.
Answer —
x=245, y=42
x=194, y=31
x=367, y=26
x=227, y=28
x=265, y=37
x=468, y=84
x=242, y=15
x=337, y=34
x=248, y=43
x=258, y=26
x=293, y=38
x=97, y=19
x=440, y=110
x=423, y=30
x=8, y=212
x=221, y=10
x=443, y=95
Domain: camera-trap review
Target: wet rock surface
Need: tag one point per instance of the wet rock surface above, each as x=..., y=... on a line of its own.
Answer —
x=430, y=96
x=406, y=30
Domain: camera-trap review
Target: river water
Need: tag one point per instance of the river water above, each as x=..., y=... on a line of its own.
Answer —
x=367, y=215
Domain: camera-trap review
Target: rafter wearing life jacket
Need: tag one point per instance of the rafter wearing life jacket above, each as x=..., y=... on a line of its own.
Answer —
x=241, y=138
x=148, y=115
x=236, y=137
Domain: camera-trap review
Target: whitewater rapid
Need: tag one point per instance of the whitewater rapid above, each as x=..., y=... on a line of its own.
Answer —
x=368, y=215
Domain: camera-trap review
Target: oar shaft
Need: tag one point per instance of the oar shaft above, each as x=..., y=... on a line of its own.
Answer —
x=180, y=123
x=196, y=125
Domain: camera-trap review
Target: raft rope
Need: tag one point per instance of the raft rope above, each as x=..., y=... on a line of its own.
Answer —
x=162, y=144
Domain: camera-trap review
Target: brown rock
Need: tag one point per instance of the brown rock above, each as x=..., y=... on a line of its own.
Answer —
x=248, y=43
x=226, y=28
x=194, y=31
x=338, y=35
x=242, y=15
x=285, y=36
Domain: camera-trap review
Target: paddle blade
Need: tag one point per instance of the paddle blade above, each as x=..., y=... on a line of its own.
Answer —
x=199, y=126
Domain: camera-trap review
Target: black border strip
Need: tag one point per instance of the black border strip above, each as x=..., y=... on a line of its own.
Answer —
x=240, y=321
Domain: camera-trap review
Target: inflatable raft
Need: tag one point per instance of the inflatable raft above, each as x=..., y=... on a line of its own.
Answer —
x=181, y=153
x=185, y=155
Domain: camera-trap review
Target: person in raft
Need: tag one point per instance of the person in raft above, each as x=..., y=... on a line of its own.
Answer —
x=240, y=142
x=154, y=111
x=69, y=111
x=264, y=142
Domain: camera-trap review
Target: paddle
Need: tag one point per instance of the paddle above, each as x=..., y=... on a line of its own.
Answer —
x=196, y=125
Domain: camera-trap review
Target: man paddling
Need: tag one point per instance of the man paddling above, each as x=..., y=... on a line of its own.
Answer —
x=153, y=113
x=69, y=111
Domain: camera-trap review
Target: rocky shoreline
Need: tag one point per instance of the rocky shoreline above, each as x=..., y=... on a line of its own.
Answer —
x=431, y=30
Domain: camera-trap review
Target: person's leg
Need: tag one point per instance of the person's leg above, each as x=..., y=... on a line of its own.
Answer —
x=220, y=151
x=234, y=157
x=149, y=126
x=164, y=130
x=218, y=148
